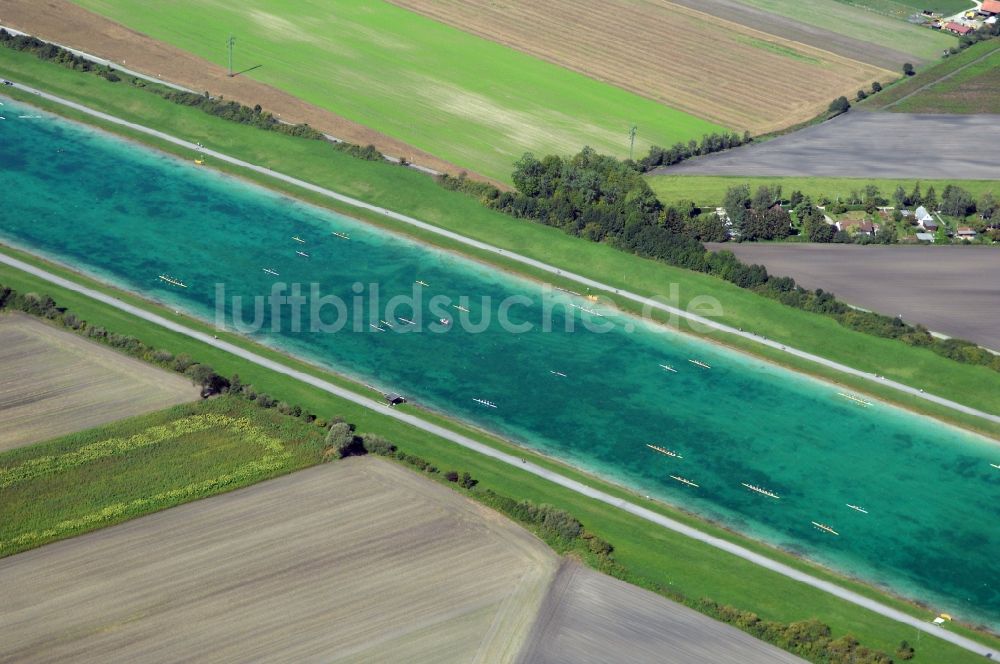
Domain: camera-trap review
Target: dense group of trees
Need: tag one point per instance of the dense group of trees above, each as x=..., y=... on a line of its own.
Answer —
x=680, y=151
x=759, y=216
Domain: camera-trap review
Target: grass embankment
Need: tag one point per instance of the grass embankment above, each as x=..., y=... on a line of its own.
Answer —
x=652, y=556
x=974, y=89
x=927, y=77
x=412, y=193
x=709, y=190
x=140, y=465
x=465, y=99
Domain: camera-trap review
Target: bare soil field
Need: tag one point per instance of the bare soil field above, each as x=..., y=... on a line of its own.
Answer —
x=54, y=383
x=877, y=145
x=950, y=289
x=590, y=617
x=65, y=23
x=354, y=561
x=712, y=68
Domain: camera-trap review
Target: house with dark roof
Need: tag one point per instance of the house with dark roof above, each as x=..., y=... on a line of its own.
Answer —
x=966, y=233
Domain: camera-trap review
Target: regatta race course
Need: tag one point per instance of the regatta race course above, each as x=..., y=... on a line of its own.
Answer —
x=893, y=498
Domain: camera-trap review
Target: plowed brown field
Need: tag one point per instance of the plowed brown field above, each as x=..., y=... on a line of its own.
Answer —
x=716, y=69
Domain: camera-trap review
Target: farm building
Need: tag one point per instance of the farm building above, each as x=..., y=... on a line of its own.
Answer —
x=990, y=7
x=925, y=220
x=857, y=227
x=966, y=233
x=957, y=28
x=925, y=237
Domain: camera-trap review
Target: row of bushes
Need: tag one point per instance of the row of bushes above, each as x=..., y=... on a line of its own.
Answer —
x=603, y=199
x=680, y=151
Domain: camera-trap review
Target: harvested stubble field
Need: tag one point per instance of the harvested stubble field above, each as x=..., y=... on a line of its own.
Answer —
x=54, y=383
x=354, y=561
x=464, y=99
x=712, y=68
x=590, y=617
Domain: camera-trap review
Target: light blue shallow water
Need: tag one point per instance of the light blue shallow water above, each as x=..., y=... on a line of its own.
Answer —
x=127, y=215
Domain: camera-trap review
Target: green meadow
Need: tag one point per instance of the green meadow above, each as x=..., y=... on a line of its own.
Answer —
x=132, y=467
x=905, y=8
x=462, y=98
x=709, y=190
x=863, y=24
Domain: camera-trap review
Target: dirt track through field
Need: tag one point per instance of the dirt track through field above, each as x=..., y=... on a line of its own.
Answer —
x=65, y=23
x=54, y=383
x=590, y=617
x=359, y=560
x=952, y=290
x=712, y=68
x=875, y=145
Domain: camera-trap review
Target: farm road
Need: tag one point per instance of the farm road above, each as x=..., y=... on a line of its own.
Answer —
x=951, y=290
x=859, y=145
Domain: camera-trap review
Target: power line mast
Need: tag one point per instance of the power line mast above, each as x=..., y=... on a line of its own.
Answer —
x=230, y=43
x=631, y=139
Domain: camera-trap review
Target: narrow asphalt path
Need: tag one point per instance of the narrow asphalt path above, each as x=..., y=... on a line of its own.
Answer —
x=573, y=485
x=525, y=260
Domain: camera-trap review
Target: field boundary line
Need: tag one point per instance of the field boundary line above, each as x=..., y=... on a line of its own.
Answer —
x=520, y=258
x=514, y=461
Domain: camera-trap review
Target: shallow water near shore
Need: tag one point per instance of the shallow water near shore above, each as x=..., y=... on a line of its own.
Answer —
x=127, y=215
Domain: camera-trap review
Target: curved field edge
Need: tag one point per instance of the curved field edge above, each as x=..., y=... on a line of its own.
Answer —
x=412, y=193
x=464, y=99
x=654, y=558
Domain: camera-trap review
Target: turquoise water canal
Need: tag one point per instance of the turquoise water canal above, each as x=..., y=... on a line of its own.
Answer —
x=592, y=397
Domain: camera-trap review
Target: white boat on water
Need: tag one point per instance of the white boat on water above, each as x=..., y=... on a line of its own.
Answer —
x=855, y=399
x=699, y=363
x=683, y=480
x=996, y=465
x=298, y=239
x=664, y=451
x=460, y=308
x=303, y=254
x=342, y=236
x=825, y=528
x=557, y=373
x=422, y=283
x=173, y=282
x=270, y=271
x=407, y=321
x=667, y=367
x=377, y=328
x=761, y=490
x=488, y=404
x=857, y=509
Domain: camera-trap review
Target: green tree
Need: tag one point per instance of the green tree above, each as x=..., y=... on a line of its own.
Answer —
x=876, y=87
x=987, y=206
x=908, y=69
x=340, y=439
x=839, y=105
x=930, y=199
x=862, y=95
x=899, y=197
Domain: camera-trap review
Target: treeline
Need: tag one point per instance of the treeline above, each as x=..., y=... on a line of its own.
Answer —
x=606, y=200
x=680, y=151
x=217, y=106
x=557, y=527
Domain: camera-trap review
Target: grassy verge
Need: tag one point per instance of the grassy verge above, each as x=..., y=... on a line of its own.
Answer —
x=140, y=465
x=653, y=557
x=893, y=93
x=412, y=193
x=709, y=190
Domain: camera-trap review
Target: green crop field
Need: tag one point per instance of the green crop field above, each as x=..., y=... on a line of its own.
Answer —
x=132, y=467
x=892, y=95
x=844, y=19
x=465, y=99
x=905, y=8
x=709, y=190
x=974, y=89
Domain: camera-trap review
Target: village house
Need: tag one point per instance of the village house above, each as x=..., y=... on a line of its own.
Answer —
x=925, y=237
x=925, y=220
x=990, y=8
x=857, y=227
x=966, y=233
x=957, y=28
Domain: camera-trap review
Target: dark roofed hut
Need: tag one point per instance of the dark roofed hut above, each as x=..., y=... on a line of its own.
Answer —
x=394, y=399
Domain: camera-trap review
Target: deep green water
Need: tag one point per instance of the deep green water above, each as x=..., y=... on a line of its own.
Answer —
x=127, y=215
